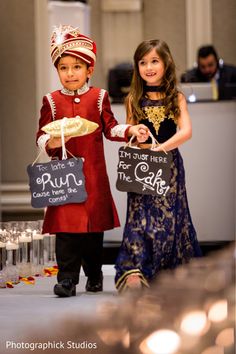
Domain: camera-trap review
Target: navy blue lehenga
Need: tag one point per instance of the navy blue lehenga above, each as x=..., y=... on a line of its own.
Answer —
x=159, y=233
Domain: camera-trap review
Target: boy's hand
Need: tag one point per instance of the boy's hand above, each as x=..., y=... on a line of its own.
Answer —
x=140, y=131
x=54, y=143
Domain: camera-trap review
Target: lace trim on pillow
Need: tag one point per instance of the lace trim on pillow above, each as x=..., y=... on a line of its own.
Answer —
x=52, y=105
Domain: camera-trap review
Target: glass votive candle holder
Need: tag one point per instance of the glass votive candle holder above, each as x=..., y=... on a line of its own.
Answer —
x=3, y=254
x=3, y=257
x=49, y=250
x=12, y=262
x=3, y=278
x=38, y=252
x=26, y=254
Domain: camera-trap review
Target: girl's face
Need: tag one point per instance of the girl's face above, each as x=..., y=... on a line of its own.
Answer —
x=73, y=72
x=151, y=68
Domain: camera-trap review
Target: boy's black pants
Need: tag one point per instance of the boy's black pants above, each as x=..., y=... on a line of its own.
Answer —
x=76, y=249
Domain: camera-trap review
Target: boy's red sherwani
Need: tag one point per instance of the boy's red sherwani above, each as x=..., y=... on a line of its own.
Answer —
x=98, y=213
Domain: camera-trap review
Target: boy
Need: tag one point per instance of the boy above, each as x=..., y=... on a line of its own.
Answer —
x=79, y=228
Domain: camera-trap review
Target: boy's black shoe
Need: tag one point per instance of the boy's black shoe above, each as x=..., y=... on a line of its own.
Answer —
x=94, y=285
x=65, y=288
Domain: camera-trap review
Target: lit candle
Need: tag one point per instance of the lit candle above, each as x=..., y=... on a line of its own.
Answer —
x=37, y=236
x=11, y=246
x=24, y=238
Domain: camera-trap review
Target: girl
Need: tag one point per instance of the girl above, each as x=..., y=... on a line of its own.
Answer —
x=158, y=233
x=79, y=227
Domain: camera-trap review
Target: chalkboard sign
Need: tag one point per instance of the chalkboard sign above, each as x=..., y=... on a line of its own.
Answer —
x=57, y=182
x=143, y=171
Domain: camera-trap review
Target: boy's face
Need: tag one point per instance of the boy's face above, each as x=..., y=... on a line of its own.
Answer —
x=73, y=72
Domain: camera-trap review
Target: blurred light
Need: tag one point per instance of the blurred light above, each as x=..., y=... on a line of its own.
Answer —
x=213, y=350
x=195, y=323
x=226, y=337
x=161, y=342
x=216, y=280
x=114, y=336
x=192, y=98
x=221, y=62
x=218, y=311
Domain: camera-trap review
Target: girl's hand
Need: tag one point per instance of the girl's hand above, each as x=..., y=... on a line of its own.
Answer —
x=54, y=143
x=140, y=131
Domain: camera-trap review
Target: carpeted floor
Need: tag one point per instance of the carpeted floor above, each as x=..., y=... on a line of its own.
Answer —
x=26, y=308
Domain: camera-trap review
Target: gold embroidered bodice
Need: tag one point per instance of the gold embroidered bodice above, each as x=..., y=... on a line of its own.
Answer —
x=160, y=125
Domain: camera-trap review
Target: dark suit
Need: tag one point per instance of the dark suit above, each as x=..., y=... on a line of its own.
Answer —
x=226, y=81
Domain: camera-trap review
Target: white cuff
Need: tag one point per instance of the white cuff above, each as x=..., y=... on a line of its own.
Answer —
x=42, y=140
x=119, y=130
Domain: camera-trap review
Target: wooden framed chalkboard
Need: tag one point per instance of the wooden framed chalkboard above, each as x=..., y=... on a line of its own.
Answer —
x=57, y=182
x=143, y=171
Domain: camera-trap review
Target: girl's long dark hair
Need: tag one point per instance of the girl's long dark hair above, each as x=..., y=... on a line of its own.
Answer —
x=169, y=81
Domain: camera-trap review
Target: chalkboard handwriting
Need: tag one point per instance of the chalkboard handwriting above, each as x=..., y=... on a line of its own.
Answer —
x=54, y=200
x=145, y=186
x=144, y=171
x=59, y=165
x=151, y=180
x=137, y=156
x=122, y=177
x=41, y=168
x=125, y=154
x=158, y=159
x=57, y=182
x=123, y=165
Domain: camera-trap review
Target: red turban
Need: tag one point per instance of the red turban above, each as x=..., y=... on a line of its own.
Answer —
x=68, y=40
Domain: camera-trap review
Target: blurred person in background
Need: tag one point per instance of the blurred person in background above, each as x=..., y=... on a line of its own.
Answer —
x=210, y=68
